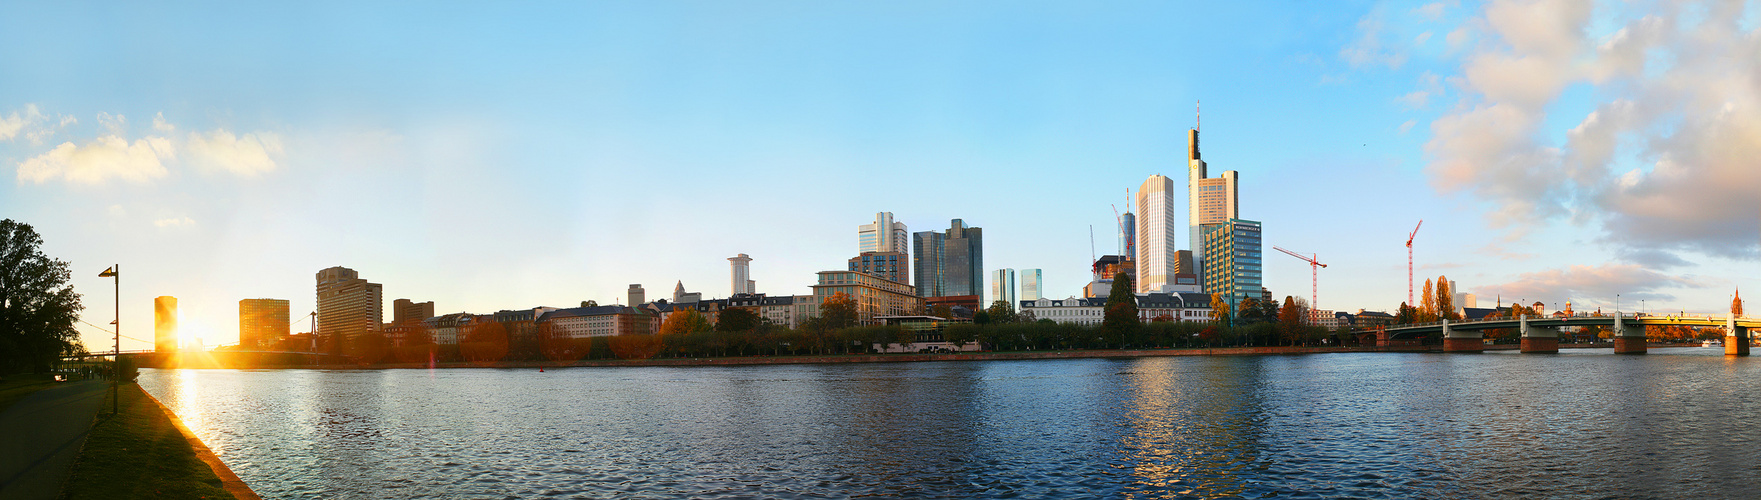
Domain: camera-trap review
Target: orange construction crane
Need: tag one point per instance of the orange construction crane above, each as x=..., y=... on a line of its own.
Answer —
x=1314, y=285
x=1415, y=232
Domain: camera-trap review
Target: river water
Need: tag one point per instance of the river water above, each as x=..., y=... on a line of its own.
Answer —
x=1586, y=423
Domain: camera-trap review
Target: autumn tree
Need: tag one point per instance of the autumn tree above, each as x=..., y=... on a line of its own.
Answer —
x=1250, y=311
x=1427, y=304
x=942, y=311
x=484, y=342
x=1219, y=309
x=737, y=319
x=1001, y=312
x=1291, y=322
x=37, y=304
x=1405, y=315
x=1446, y=300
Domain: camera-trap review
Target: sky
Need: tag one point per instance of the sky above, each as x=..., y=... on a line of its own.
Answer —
x=507, y=156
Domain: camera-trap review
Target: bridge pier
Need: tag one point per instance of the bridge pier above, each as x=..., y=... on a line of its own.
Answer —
x=1540, y=340
x=1736, y=338
x=1625, y=341
x=1462, y=341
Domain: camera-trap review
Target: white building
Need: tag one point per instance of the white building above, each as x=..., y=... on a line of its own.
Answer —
x=1002, y=287
x=1031, y=284
x=741, y=275
x=1155, y=234
x=883, y=235
x=1192, y=307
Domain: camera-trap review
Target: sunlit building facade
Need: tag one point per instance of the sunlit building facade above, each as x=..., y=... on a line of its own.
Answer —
x=1003, y=287
x=1031, y=284
x=262, y=322
x=1234, y=269
x=1155, y=233
x=894, y=266
x=165, y=324
x=348, y=306
x=874, y=296
x=884, y=235
x=741, y=274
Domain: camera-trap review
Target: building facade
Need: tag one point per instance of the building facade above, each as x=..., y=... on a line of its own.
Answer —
x=1003, y=287
x=1234, y=266
x=405, y=311
x=165, y=324
x=929, y=263
x=894, y=266
x=1210, y=201
x=964, y=254
x=884, y=235
x=1155, y=234
x=1193, y=307
x=1031, y=284
x=348, y=306
x=598, y=321
x=740, y=274
x=262, y=323
x=874, y=296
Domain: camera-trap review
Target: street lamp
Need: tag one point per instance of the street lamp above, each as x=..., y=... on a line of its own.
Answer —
x=116, y=336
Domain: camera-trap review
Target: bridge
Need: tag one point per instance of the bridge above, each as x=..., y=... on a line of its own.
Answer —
x=1541, y=334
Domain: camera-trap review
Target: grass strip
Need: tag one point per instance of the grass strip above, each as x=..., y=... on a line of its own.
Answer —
x=140, y=453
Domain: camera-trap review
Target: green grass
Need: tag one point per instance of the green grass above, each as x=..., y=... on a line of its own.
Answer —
x=17, y=386
x=139, y=454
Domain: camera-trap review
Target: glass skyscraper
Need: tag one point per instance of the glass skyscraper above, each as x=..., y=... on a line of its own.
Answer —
x=1234, y=267
x=949, y=264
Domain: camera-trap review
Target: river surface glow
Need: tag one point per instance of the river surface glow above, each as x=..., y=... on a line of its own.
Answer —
x=1586, y=423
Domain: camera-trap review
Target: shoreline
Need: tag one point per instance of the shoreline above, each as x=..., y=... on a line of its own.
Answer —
x=908, y=358
x=228, y=480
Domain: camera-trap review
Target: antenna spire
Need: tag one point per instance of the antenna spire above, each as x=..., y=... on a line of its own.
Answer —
x=1198, y=115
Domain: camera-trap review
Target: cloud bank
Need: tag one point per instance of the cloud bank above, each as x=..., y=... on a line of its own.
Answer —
x=114, y=157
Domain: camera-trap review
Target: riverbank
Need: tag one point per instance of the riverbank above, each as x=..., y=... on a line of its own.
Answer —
x=146, y=452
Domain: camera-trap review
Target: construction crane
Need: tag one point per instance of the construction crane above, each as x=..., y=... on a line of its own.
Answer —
x=1415, y=232
x=1314, y=284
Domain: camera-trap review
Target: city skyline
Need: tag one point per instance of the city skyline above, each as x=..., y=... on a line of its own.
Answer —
x=498, y=170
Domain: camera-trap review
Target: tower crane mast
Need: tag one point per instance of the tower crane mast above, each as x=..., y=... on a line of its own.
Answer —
x=1314, y=282
x=1409, y=237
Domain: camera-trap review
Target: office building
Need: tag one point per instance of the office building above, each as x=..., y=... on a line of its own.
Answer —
x=884, y=235
x=1030, y=284
x=635, y=296
x=892, y=266
x=1128, y=233
x=741, y=275
x=405, y=311
x=964, y=255
x=165, y=324
x=1003, y=287
x=874, y=296
x=929, y=263
x=1210, y=201
x=262, y=322
x=1155, y=234
x=348, y=306
x=1234, y=269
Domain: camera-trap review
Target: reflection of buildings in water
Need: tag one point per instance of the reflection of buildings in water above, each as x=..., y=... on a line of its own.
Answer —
x=1196, y=424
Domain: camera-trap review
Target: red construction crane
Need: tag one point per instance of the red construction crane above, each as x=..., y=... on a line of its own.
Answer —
x=1314, y=285
x=1415, y=232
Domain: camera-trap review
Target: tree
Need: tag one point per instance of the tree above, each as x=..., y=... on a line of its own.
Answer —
x=961, y=334
x=942, y=311
x=1406, y=315
x=1446, y=300
x=1001, y=312
x=1219, y=309
x=838, y=312
x=1119, y=320
x=1290, y=320
x=589, y=303
x=1427, y=304
x=37, y=304
x=484, y=342
x=1250, y=311
x=736, y=319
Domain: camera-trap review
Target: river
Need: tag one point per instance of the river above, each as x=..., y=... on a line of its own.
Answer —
x=1581, y=424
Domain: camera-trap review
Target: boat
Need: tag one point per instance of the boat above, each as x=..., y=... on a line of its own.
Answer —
x=1711, y=343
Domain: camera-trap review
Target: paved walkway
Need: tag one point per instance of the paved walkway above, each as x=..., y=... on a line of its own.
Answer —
x=41, y=435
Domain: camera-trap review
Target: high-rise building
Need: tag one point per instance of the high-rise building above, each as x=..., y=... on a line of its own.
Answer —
x=1003, y=287
x=1031, y=287
x=1234, y=270
x=348, y=306
x=929, y=265
x=1209, y=200
x=1128, y=234
x=1155, y=234
x=636, y=295
x=893, y=266
x=165, y=324
x=261, y=322
x=742, y=275
x=883, y=235
x=964, y=255
x=405, y=311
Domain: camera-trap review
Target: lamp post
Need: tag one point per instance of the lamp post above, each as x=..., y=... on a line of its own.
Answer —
x=114, y=273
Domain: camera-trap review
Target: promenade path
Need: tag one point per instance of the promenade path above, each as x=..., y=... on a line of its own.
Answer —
x=41, y=436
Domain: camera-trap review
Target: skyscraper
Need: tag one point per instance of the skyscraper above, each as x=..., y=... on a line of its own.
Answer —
x=1031, y=284
x=1003, y=287
x=1209, y=200
x=348, y=306
x=1155, y=234
x=405, y=311
x=1234, y=269
x=742, y=276
x=964, y=258
x=883, y=235
x=636, y=295
x=1128, y=234
x=165, y=324
x=929, y=263
x=261, y=322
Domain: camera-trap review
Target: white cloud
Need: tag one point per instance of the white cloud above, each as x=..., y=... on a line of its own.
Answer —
x=1598, y=284
x=13, y=124
x=252, y=154
x=161, y=125
x=174, y=222
x=1429, y=86
x=1665, y=161
x=108, y=157
x=1369, y=49
x=1431, y=11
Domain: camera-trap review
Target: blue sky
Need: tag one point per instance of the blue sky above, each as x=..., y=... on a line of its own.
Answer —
x=509, y=156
